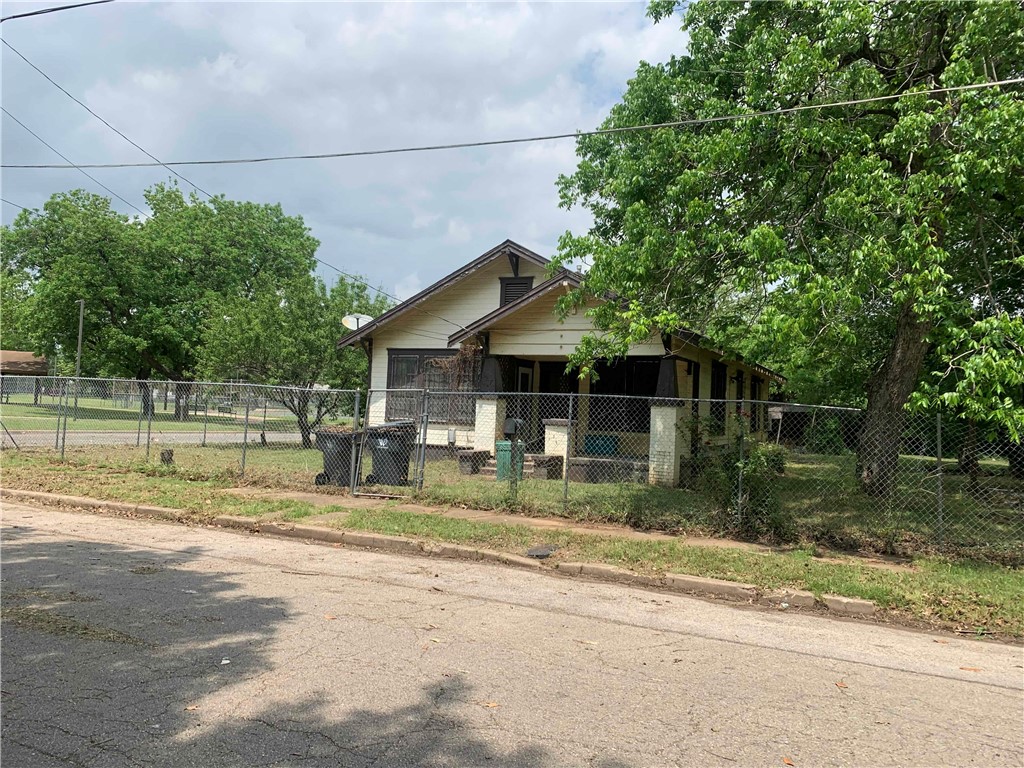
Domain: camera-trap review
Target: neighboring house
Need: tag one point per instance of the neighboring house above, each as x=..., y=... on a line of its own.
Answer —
x=15, y=363
x=490, y=330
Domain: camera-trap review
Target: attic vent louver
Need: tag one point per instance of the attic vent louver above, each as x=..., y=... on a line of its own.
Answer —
x=513, y=288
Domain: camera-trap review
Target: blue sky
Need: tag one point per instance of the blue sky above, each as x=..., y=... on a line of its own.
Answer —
x=205, y=80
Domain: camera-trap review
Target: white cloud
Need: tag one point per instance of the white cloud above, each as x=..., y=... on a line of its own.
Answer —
x=200, y=80
x=408, y=286
x=458, y=232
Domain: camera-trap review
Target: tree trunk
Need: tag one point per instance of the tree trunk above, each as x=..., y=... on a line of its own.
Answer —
x=182, y=395
x=146, y=391
x=1015, y=455
x=889, y=388
x=968, y=463
x=302, y=414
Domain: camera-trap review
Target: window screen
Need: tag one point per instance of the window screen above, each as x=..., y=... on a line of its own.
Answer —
x=719, y=374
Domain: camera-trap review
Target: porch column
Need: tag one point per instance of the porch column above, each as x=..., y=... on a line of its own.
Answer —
x=490, y=423
x=669, y=441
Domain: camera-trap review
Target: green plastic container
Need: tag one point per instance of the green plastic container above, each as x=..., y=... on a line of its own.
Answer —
x=503, y=458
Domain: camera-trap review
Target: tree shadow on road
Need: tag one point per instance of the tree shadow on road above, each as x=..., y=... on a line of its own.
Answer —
x=111, y=654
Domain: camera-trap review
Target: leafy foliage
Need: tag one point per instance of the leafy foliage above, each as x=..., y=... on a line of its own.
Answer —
x=149, y=285
x=286, y=334
x=847, y=246
x=15, y=293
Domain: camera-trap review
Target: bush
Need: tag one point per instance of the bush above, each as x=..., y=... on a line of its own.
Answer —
x=826, y=436
x=748, y=506
x=774, y=456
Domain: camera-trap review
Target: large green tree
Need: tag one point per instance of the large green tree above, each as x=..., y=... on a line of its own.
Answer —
x=15, y=296
x=286, y=334
x=149, y=284
x=848, y=244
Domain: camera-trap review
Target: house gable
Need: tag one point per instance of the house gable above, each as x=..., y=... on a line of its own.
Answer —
x=459, y=298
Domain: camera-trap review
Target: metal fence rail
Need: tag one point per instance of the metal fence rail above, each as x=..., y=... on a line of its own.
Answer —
x=760, y=469
x=231, y=429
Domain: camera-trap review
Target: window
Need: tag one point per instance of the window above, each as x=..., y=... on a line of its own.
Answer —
x=431, y=369
x=513, y=288
x=741, y=385
x=719, y=374
x=635, y=376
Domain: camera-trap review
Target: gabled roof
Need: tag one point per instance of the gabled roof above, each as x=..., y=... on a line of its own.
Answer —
x=563, y=278
x=14, y=363
x=574, y=279
x=507, y=249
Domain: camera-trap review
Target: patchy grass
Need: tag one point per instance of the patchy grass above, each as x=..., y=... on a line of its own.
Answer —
x=977, y=597
x=963, y=594
x=819, y=498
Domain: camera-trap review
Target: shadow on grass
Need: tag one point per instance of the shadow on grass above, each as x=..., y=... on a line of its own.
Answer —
x=119, y=656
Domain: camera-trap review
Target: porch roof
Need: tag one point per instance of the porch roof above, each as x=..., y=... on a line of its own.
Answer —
x=17, y=363
x=567, y=279
x=562, y=279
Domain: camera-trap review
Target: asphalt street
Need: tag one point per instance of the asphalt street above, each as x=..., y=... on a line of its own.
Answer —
x=136, y=643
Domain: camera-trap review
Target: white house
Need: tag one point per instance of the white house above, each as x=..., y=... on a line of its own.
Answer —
x=486, y=344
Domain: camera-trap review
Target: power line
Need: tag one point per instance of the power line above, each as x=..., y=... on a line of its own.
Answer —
x=2, y=200
x=549, y=137
x=189, y=181
x=41, y=11
x=382, y=292
x=71, y=165
x=87, y=109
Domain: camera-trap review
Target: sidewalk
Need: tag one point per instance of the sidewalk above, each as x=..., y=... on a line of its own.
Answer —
x=539, y=523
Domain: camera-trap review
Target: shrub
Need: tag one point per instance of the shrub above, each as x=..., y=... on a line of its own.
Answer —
x=747, y=506
x=774, y=456
x=826, y=436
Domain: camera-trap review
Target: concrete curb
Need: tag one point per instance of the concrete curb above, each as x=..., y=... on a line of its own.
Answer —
x=676, y=582
x=127, y=508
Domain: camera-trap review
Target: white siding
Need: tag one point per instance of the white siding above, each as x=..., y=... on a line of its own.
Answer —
x=535, y=331
x=464, y=302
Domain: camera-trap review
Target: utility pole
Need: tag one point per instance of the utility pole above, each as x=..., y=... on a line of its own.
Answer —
x=78, y=359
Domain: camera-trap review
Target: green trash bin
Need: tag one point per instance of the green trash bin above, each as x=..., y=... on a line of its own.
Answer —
x=503, y=458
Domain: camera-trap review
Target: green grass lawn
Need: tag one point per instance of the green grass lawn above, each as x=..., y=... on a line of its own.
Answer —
x=97, y=415
x=964, y=594
x=818, y=495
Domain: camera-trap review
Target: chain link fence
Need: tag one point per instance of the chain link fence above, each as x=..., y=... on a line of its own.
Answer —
x=757, y=469
x=264, y=434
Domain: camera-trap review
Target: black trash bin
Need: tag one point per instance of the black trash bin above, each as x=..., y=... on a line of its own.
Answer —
x=391, y=447
x=337, y=446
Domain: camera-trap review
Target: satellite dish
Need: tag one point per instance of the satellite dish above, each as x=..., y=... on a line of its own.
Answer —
x=354, y=322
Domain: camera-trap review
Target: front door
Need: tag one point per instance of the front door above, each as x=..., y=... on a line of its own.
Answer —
x=524, y=379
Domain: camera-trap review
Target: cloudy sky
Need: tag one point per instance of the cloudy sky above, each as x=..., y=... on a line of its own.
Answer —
x=193, y=80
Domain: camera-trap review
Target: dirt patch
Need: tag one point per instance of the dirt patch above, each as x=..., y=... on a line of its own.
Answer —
x=22, y=608
x=145, y=570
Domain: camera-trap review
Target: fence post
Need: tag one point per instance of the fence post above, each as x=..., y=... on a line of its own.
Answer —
x=245, y=435
x=938, y=471
x=568, y=454
x=149, y=420
x=206, y=416
x=352, y=453
x=421, y=457
x=141, y=406
x=64, y=431
x=739, y=479
x=56, y=434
